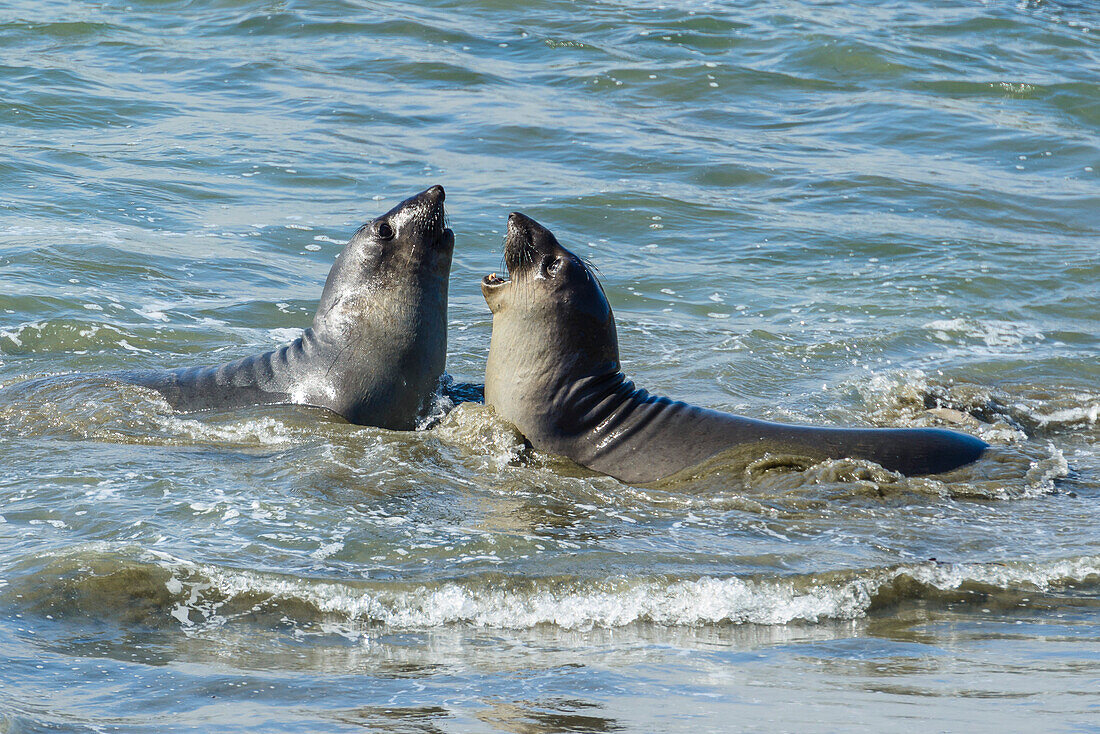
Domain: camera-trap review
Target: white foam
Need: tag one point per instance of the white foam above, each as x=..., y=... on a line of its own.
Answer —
x=480, y=431
x=12, y=336
x=439, y=405
x=283, y=335
x=1042, y=473
x=617, y=601
x=265, y=431
x=1087, y=414
x=131, y=348
x=153, y=311
x=992, y=333
x=326, y=550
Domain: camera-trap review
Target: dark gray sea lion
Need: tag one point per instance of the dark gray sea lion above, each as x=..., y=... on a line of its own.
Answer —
x=554, y=372
x=378, y=343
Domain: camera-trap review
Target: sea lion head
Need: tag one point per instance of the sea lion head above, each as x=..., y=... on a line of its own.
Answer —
x=552, y=324
x=381, y=325
x=411, y=238
x=391, y=266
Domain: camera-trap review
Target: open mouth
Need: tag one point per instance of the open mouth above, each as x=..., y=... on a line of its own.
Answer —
x=520, y=251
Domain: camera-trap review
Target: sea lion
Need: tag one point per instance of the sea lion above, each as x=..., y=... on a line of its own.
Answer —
x=554, y=372
x=378, y=343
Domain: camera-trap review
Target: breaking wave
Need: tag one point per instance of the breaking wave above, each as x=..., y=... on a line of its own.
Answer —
x=158, y=590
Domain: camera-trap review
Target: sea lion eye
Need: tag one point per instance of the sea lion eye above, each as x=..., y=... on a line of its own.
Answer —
x=550, y=265
x=385, y=231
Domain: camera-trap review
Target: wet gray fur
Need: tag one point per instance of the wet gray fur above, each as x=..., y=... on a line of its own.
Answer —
x=554, y=372
x=378, y=343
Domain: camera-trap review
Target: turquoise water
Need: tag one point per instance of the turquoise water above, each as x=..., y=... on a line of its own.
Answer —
x=859, y=213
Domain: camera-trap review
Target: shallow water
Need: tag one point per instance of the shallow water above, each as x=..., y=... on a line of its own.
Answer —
x=857, y=213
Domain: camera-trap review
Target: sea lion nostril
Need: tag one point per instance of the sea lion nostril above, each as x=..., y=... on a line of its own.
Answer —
x=437, y=192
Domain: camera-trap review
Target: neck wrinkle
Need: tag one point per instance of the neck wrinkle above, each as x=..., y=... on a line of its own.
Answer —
x=586, y=405
x=616, y=418
x=310, y=345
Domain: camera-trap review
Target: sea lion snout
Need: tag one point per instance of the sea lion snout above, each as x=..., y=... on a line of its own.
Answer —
x=523, y=229
x=518, y=223
x=518, y=235
x=525, y=242
x=426, y=211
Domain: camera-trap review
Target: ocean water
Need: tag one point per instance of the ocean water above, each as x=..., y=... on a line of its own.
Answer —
x=857, y=213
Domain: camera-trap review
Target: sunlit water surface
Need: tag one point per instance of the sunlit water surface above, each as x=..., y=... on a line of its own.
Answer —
x=856, y=213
